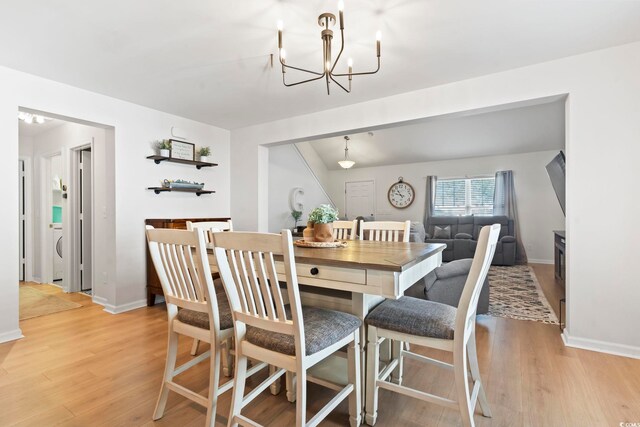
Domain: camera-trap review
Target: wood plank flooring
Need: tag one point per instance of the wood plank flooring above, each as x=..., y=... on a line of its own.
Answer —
x=85, y=367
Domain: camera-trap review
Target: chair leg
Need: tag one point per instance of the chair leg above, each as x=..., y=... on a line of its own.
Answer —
x=227, y=360
x=301, y=398
x=475, y=375
x=373, y=366
x=460, y=371
x=214, y=378
x=237, y=395
x=396, y=353
x=275, y=386
x=291, y=386
x=169, y=368
x=355, y=405
x=194, y=346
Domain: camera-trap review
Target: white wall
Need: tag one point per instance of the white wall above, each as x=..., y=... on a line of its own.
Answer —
x=538, y=206
x=603, y=124
x=135, y=127
x=288, y=170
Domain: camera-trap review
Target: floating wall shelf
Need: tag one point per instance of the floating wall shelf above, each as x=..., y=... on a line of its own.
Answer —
x=199, y=165
x=197, y=192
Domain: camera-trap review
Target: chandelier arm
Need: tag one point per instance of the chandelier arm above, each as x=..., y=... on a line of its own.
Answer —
x=359, y=74
x=300, y=82
x=300, y=69
x=338, y=83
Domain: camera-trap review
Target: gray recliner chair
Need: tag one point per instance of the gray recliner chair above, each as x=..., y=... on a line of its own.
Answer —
x=445, y=284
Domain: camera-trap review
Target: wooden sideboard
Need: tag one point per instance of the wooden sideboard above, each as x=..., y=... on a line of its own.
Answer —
x=153, y=282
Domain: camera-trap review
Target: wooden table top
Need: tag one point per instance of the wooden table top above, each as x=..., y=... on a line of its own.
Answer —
x=387, y=256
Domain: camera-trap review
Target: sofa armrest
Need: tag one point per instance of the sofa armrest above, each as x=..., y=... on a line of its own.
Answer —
x=463, y=236
x=508, y=239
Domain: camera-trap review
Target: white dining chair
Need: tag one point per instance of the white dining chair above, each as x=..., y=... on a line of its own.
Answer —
x=290, y=337
x=385, y=231
x=193, y=310
x=345, y=230
x=434, y=325
x=209, y=228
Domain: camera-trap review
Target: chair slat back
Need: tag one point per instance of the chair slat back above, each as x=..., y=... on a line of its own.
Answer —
x=385, y=231
x=247, y=266
x=210, y=227
x=466, y=312
x=345, y=230
x=180, y=259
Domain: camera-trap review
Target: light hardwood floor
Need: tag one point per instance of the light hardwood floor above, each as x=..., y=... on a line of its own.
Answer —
x=84, y=367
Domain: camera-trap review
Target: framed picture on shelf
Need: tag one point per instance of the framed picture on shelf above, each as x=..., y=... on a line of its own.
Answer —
x=182, y=150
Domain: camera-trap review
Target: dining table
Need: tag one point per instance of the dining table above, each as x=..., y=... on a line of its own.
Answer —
x=355, y=278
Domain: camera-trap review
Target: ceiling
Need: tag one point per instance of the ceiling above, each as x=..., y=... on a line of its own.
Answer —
x=209, y=60
x=509, y=131
x=35, y=129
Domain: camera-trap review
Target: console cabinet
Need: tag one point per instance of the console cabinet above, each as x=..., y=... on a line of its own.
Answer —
x=153, y=281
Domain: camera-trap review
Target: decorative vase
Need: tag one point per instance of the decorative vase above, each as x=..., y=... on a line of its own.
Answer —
x=204, y=159
x=307, y=233
x=323, y=232
x=165, y=153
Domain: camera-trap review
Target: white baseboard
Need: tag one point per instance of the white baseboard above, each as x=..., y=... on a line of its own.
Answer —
x=117, y=309
x=16, y=334
x=601, y=346
x=540, y=261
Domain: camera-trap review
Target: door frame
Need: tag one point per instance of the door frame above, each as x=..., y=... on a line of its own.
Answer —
x=72, y=270
x=45, y=216
x=346, y=212
x=27, y=194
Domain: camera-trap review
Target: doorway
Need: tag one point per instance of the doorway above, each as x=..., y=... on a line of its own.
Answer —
x=359, y=199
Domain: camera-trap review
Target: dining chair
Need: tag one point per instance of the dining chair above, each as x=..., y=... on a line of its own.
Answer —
x=209, y=228
x=193, y=310
x=345, y=230
x=288, y=336
x=434, y=325
x=385, y=231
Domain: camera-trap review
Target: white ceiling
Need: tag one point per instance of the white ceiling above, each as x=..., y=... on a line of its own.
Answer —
x=208, y=60
x=510, y=131
x=33, y=129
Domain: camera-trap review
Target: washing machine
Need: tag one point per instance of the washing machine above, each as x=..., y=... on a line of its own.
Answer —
x=58, y=266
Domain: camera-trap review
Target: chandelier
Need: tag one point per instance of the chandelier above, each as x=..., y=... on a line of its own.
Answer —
x=327, y=20
x=346, y=163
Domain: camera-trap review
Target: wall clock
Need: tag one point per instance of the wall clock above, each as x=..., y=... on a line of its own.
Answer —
x=401, y=194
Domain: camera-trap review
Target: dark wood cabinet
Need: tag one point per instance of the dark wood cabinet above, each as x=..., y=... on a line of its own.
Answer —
x=153, y=282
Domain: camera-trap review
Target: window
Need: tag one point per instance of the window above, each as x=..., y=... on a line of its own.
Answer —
x=464, y=196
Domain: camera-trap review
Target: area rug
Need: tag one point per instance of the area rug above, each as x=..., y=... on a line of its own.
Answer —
x=516, y=294
x=34, y=303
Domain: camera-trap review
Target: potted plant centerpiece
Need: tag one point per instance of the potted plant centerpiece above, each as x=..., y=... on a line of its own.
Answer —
x=322, y=218
x=204, y=153
x=164, y=148
x=296, y=216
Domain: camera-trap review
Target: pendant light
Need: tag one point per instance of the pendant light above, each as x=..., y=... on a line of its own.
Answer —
x=346, y=163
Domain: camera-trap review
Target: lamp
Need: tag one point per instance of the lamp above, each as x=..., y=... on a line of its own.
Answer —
x=346, y=163
x=325, y=21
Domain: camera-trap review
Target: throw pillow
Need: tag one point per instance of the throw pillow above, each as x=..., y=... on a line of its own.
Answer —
x=441, y=232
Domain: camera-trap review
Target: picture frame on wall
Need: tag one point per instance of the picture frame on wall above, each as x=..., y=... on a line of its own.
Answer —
x=182, y=150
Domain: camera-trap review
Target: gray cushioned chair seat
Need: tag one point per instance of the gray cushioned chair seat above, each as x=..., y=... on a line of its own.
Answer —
x=322, y=328
x=201, y=320
x=415, y=317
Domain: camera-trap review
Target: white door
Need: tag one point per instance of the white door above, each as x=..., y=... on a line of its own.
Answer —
x=85, y=220
x=21, y=220
x=359, y=199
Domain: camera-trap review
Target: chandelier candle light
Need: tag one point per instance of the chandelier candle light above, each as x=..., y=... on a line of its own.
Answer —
x=327, y=20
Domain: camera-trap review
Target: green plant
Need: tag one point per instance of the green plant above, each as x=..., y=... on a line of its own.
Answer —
x=296, y=215
x=323, y=214
x=204, y=151
x=164, y=144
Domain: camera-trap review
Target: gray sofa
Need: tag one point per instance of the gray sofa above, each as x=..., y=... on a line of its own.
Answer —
x=463, y=238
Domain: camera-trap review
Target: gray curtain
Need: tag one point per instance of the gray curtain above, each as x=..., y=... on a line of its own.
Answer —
x=504, y=203
x=429, y=200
